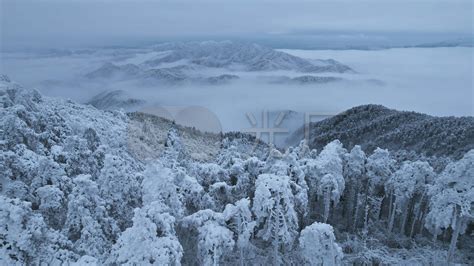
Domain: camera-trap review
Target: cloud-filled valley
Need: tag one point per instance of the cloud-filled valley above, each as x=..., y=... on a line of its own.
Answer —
x=233, y=79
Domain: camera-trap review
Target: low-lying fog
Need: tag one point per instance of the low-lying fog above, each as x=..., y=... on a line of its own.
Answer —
x=436, y=81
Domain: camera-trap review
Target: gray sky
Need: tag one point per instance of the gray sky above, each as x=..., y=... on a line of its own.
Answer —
x=106, y=22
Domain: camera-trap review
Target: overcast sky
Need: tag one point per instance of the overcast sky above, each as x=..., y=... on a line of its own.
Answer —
x=106, y=22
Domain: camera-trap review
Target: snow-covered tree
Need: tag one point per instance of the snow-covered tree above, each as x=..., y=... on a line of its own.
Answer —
x=297, y=178
x=229, y=153
x=210, y=173
x=452, y=201
x=274, y=163
x=214, y=240
x=49, y=172
x=404, y=185
x=325, y=178
x=240, y=221
x=174, y=153
x=119, y=185
x=273, y=207
x=144, y=244
x=26, y=240
x=379, y=167
x=17, y=189
x=354, y=174
x=159, y=185
x=221, y=194
x=302, y=150
x=86, y=260
x=215, y=180
x=80, y=159
x=193, y=196
x=20, y=164
x=318, y=245
x=287, y=164
x=52, y=205
x=88, y=224
x=243, y=174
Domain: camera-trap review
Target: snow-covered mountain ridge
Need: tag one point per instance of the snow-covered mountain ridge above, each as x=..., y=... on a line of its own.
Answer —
x=111, y=100
x=189, y=62
x=373, y=126
x=252, y=57
x=83, y=186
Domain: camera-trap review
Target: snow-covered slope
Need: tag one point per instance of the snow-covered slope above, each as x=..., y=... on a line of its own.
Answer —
x=83, y=186
x=373, y=126
x=114, y=100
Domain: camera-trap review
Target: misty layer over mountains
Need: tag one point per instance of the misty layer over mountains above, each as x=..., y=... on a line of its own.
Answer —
x=231, y=79
x=83, y=186
x=172, y=63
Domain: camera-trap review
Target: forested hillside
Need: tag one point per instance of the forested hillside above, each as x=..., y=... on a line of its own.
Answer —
x=90, y=187
x=373, y=126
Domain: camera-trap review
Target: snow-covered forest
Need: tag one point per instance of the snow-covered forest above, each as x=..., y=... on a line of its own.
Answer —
x=76, y=189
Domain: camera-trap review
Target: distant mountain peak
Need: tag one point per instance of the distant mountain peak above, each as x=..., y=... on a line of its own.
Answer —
x=253, y=57
x=114, y=99
x=183, y=61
